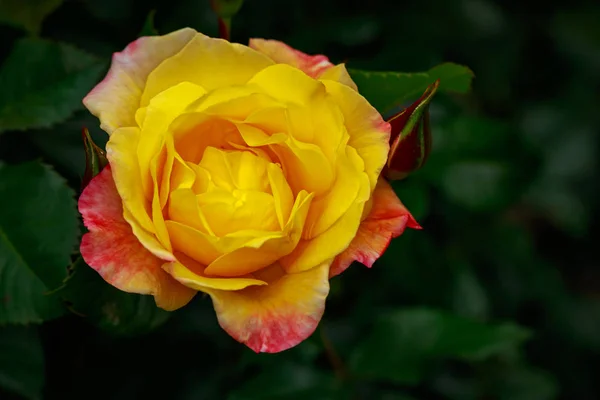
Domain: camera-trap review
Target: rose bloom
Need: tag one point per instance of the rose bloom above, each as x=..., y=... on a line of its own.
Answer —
x=251, y=174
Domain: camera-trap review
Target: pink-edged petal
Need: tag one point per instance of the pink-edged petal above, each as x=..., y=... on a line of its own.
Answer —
x=388, y=219
x=276, y=316
x=111, y=248
x=281, y=53
x=116, y=99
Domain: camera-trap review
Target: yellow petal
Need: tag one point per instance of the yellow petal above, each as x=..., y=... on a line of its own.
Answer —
x=340, y=74
x=287, y=84
x=116, y=99
x=276, y=316
x=265, y=249
x=184, y=275
x=284, y=198
x=162, y=110
x=351, y=186
x=193, y=132
x=369, y=133
x=137, y=208
x=327, y=245
x=305, y=166
x=157, y=209
x=183, y=208
x=281, y=53
x=210, y=63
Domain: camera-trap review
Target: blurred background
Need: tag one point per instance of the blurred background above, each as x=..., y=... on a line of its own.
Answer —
x=497, y=298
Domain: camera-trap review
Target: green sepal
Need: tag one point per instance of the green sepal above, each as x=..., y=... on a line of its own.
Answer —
x=410, y=139
x=95, y=158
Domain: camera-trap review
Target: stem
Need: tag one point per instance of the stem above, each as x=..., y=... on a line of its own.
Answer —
x=224, y=28
x=334, y=359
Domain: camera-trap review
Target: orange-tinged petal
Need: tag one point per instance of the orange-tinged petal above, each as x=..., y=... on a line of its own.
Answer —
x=114, y=251
x=281, y=53
x=277, y=316
x=115, y=100
x=388, y=219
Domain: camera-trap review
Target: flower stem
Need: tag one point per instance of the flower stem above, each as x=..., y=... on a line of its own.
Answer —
x=334, y=359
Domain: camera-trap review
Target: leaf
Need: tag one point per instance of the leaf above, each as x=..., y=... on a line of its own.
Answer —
x=480, y=185
x=21, y=362
x=27, y=14
x=525, y=383
x=103, y=305
x=403, y=343
x=285, y=381
x=469, y=298
x=38, y=231
x=43, y=83
x=387, y=90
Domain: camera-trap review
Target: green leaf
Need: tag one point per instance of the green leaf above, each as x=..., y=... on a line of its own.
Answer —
x=404, y=343
x=525, y=383
x=27, y=14
x=21, y=362
x=43, y=83
x=480, y=185
x=414, y=196
x=103, y=305
x=285, y=381
x=38, y=231
x=387, y=90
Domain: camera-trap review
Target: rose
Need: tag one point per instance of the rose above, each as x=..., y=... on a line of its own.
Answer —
x=248, y=173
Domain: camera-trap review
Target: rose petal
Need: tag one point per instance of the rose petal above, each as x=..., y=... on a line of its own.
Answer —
x=115, y=253
x=208, y=62
x=116, y=99
x=388, y=219
x=369, y=133
x=281, y=53
x=277, y=316
x=327, y=245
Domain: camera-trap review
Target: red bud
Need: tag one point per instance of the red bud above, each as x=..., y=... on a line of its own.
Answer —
x=410, y=137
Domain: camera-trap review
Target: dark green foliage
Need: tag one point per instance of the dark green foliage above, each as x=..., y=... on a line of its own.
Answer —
x=496, y=298
x=117, y=312
x=38, y=232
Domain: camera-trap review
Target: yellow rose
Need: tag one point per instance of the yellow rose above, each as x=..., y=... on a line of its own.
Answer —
x=248, y=173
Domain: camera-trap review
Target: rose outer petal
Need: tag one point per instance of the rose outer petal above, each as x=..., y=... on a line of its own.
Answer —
x=114, y=251
x=317, y=66
x=281, y=53
x=277, y=316
x=388, y=219
x=116, y=99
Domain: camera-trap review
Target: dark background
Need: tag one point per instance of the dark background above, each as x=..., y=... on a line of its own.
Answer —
x=497, y=298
